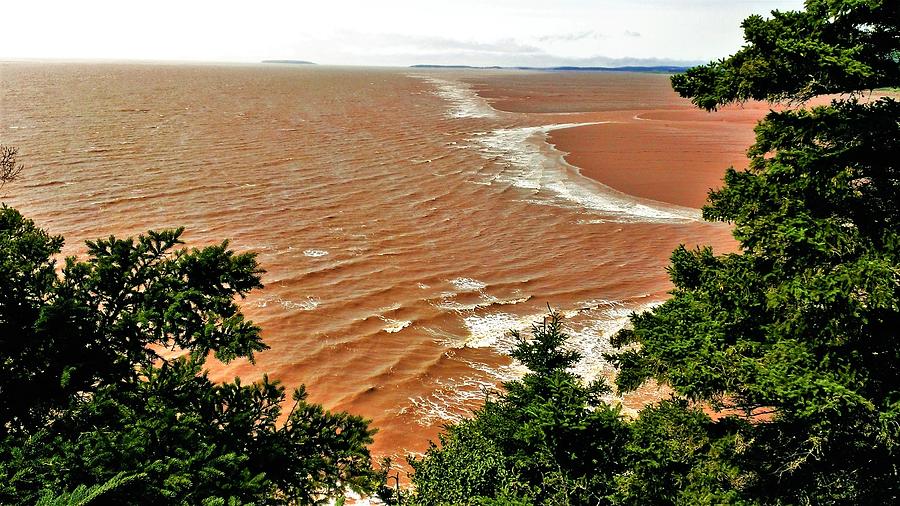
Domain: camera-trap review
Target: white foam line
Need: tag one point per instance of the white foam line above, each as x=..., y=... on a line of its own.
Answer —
x=531, y=169
x=448, y=304
x=528, y=167
x=305, y=305
x=394, y=326
x=468, y=284
x=465, y=102
x=589, y=326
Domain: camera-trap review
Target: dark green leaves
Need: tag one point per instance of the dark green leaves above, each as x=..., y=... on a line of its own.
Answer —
x=831, y=47
x=545, y=353
x=549, y=439
x=89, y=411
x=803, y=324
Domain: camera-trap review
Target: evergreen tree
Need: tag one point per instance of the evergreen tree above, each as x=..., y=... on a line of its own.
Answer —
x=795, y=336
x=798, y=332
x=91, y=410
x=548, y=439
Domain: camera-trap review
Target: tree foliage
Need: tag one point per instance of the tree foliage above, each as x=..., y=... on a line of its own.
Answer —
x=803, y=323
x=548, y=439
x=832, y=46
x=678, y=455
x=793, y=340
x=92, y=404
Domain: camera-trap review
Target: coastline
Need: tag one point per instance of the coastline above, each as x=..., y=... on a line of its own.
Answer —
x=639, y=138
x=650, y=144
x=674, y=158
x=404, y=224
x=528, y=143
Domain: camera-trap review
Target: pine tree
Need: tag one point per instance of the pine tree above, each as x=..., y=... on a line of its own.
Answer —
x=90, y=410
x=547, y=439
x=799, y=331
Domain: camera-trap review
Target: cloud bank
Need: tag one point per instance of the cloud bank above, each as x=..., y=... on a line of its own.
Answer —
x=398, y=32
x=548, y=50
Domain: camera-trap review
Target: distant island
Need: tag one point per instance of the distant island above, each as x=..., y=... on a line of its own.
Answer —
x=294, y=62
x=661, y=69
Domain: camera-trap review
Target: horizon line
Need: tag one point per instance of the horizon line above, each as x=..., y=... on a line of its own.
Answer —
x=289, y=61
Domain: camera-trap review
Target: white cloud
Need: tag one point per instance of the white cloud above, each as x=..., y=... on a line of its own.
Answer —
x=571, y=37
x=397, y=32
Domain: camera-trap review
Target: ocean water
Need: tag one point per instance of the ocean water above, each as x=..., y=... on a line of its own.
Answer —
x=405, y=225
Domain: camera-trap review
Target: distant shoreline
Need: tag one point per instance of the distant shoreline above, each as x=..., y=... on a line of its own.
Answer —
x=659, y=69
x=292, y=62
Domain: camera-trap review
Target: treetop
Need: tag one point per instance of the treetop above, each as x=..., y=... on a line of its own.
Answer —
x=832, y=47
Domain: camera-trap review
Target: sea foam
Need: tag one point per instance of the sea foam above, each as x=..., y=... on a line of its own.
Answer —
x=394, y=326
x=528, y=165
x=304, y=305
x=589, y=326
x=465, y=103
x=468, y=284
x=454, y=399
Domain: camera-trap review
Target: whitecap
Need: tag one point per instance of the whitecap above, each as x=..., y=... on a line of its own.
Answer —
x=589, y=324
x=452, y=400
x=493, y=330
x=394, y=326
x=303, y=305
x=468, y=284
x=315, y=253
x=448, y=303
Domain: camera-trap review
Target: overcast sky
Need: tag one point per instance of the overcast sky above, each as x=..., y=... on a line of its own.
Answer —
x=385, y=32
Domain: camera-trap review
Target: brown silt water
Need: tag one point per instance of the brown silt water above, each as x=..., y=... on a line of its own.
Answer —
x=407, y=219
